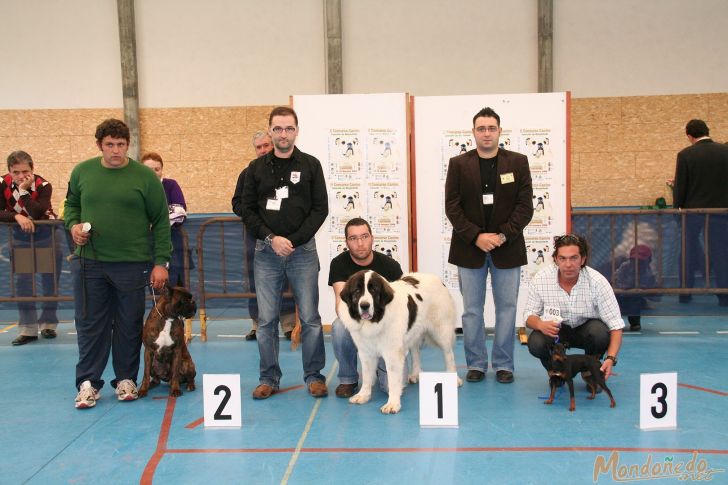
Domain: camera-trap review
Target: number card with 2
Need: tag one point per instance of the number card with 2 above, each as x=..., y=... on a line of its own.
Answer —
x=658, y=401
x=438, y=400
x=221, y=397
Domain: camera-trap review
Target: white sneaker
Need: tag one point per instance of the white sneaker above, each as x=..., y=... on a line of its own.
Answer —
x=87, y=396
x=126, y=390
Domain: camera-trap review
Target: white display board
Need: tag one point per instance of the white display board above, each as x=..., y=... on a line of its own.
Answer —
x=658, y=401
x=533, y=124
x=362, y=143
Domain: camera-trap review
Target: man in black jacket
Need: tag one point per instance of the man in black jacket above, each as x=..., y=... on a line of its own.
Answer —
x=284, y=204
x=263, y=145
x=701, y=178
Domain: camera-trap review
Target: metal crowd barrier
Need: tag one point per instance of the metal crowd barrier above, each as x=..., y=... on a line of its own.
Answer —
x=31, y=254
x=687, y=246
x=226, y=275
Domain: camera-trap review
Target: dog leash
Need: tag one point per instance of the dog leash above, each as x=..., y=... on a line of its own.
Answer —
x=154, y=298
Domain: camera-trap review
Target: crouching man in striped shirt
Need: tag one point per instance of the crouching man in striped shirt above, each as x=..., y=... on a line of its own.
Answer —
x=573, y=303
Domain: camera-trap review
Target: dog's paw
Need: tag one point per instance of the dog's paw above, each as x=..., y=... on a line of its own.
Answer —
x=175, y=392
x=413, y=378
x=391, y=408
x=460, y=382
x=359, y=398
x=142, y=391
x=191, y=386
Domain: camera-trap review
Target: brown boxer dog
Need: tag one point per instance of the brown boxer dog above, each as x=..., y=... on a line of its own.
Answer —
x=166, y=357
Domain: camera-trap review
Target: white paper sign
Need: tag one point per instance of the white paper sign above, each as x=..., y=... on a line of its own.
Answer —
x=221, y=398
x=658, y=401
x=438, y=400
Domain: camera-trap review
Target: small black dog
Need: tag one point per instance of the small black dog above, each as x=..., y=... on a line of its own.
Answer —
x=565, y=367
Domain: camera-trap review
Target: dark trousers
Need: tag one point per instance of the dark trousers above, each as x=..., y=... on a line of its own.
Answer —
x=592, y=336
x=718, y=250
x=109, y=308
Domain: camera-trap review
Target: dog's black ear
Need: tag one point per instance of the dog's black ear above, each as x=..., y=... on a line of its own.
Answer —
x=386, y=295
x=345, y=294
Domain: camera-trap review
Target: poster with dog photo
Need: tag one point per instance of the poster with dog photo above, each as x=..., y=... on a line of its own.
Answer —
x=542, y=207
x=388, y=245
x=345, y=154
x=337, y=245
x=454, y=143
x=536, y=145
x=346, y=201
x=383, y=160
x=383, y=208
x=449, y=271
x=362, y=141
x=538, y=252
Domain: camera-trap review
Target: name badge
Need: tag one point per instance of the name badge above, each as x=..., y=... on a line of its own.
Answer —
x=273, y=204
x=295, y=177
x=552, y=314
x=282, y=192
x=507, y=178
x=488, y=199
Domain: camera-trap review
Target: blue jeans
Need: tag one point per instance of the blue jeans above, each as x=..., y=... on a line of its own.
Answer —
x=109, y=310
x=288, y=307
x=346, y=353
x=505, y=283
x=302, y=268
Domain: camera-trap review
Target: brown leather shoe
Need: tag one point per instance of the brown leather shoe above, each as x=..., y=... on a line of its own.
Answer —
x=318, y=389
x=263, y=391
x=24, y=339
x=346, y=390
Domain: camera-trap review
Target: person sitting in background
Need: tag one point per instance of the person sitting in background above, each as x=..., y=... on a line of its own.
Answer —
x=638, y=264
x=177, y=215
x=27, y=197
x=262, y=144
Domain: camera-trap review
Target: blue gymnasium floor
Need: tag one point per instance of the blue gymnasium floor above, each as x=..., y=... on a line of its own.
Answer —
x=506, y=434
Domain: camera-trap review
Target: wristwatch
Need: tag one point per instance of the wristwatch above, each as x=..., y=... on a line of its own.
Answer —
x=269, y=239
x=502, y=237
x=613, y=359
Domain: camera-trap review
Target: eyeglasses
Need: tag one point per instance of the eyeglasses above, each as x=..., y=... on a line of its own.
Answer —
x=363, y=238
x=279, y=129
x=483, y=129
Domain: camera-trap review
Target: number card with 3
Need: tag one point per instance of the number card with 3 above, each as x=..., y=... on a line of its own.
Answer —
x=658, y=401
x=221, y=397
x=438, y=400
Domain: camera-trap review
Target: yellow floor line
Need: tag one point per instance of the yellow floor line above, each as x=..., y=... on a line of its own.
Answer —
x=9, y=327
x=309, y=423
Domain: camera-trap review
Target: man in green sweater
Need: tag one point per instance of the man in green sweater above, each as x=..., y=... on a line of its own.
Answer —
x=112, y=206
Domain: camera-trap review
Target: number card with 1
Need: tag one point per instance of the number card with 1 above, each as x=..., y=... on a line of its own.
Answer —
x=438, y=399
x=658, y=401
x=221, y=398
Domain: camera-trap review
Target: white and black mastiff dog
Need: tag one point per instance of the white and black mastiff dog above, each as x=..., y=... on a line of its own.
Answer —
x=388, y=319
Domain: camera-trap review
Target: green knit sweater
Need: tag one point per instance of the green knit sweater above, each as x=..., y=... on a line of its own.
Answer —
x=123, y=205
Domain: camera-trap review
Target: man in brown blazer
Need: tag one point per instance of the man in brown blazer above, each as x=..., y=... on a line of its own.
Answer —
x=488, y=200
